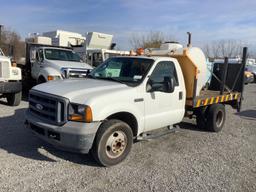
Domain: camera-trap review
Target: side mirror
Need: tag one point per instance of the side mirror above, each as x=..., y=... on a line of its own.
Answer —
x=41, y=59
x=169, y=84
x=166, y=86
x=33, y=56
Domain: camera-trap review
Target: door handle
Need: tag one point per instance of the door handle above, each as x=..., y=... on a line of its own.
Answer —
x=180, y=95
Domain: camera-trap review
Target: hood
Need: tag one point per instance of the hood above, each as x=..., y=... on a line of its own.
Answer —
x=68, y=64
x=77, y=89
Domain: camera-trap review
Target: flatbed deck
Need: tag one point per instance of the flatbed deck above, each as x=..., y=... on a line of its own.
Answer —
x=208, y=97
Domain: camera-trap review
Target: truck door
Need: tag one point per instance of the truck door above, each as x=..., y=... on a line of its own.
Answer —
x=161, y=108
x=37, y=64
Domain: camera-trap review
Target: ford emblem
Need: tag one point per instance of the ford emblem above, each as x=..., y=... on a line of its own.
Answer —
x=39, y=106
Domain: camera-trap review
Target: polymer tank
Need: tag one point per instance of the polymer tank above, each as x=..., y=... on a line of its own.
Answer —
x=192, y=62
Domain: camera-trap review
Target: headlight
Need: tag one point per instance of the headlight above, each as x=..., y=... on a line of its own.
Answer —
x=15, y=72
x=51, y=77
x=81, y=113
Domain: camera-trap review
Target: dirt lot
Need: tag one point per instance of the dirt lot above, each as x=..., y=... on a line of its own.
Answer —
x=189, y=160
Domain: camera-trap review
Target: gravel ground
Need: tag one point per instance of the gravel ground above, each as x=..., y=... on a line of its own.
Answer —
x=188, y=160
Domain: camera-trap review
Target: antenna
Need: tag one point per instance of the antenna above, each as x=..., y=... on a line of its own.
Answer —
x=189, y=39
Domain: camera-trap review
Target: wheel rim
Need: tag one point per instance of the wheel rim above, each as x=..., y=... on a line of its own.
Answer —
x=219, y=119
x=116, y=144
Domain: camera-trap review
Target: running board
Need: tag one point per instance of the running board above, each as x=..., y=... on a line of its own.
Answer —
x=157, y=133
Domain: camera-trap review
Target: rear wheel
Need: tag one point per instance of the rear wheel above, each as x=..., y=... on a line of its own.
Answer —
x=216, y=117
x=113, y=142
x=13, y=99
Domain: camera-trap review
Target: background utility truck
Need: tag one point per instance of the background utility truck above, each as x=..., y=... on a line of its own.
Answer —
x=10, y=81
x=45, y=62
x=97, y=48
x=127, y=98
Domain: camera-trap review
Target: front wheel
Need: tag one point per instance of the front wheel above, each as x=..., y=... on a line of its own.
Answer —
x=13, y=99
x=113, y=142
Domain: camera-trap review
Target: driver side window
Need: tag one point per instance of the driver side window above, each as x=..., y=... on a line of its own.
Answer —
x=164, y=69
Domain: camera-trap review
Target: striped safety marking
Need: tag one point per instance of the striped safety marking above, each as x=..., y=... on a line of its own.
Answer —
x=218, y=99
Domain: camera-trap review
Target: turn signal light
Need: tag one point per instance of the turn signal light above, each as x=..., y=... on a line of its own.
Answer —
x=50, y=78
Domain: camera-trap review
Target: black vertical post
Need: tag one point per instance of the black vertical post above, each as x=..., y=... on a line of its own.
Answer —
x=189, y=39
x=245, y=50
x=241, y=86
x=1, y=35
x=224, y=76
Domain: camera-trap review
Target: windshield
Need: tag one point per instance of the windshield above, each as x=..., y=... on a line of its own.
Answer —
x=62, y=55
x=123, y=69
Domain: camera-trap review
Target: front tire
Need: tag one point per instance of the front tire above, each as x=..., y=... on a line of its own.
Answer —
x=216, y=117
x=13, y=99
x=41, y=80
x=113, y=142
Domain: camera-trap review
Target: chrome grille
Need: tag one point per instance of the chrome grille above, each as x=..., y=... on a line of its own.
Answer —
x=52, y=109
x=4, y=70
x=75, y=72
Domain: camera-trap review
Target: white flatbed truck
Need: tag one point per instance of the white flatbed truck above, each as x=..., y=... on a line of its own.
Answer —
x=123, y=100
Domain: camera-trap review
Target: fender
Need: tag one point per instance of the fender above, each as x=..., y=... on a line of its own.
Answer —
x=101, y=112
x=46, y=71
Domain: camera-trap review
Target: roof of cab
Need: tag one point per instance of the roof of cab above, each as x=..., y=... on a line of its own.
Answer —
x=148, y=57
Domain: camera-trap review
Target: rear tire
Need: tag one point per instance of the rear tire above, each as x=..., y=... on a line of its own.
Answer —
x=216, y=117
x=112, y=143
x=13, y=99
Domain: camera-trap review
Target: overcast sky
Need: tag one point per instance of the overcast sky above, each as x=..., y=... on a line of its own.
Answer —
x=208, y=20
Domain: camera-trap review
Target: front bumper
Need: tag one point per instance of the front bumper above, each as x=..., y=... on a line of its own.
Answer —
x=10, y=87
x=72, y=136
x=249, y=79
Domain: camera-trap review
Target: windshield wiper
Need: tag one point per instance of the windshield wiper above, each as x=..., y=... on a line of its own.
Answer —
x=108, y=78
x=113, y=79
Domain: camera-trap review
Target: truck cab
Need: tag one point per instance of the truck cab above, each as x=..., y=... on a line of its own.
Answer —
x=97, y=48
x=95, y=57
x=138, y=92
x=46, y=63
x=10, y=81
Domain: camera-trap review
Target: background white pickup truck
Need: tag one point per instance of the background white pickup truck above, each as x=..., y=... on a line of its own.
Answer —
x=46, y=62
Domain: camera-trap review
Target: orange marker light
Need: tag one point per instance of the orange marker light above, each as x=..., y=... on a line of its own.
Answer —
x=140, y=51
x=88, y=114
x=50, y=78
